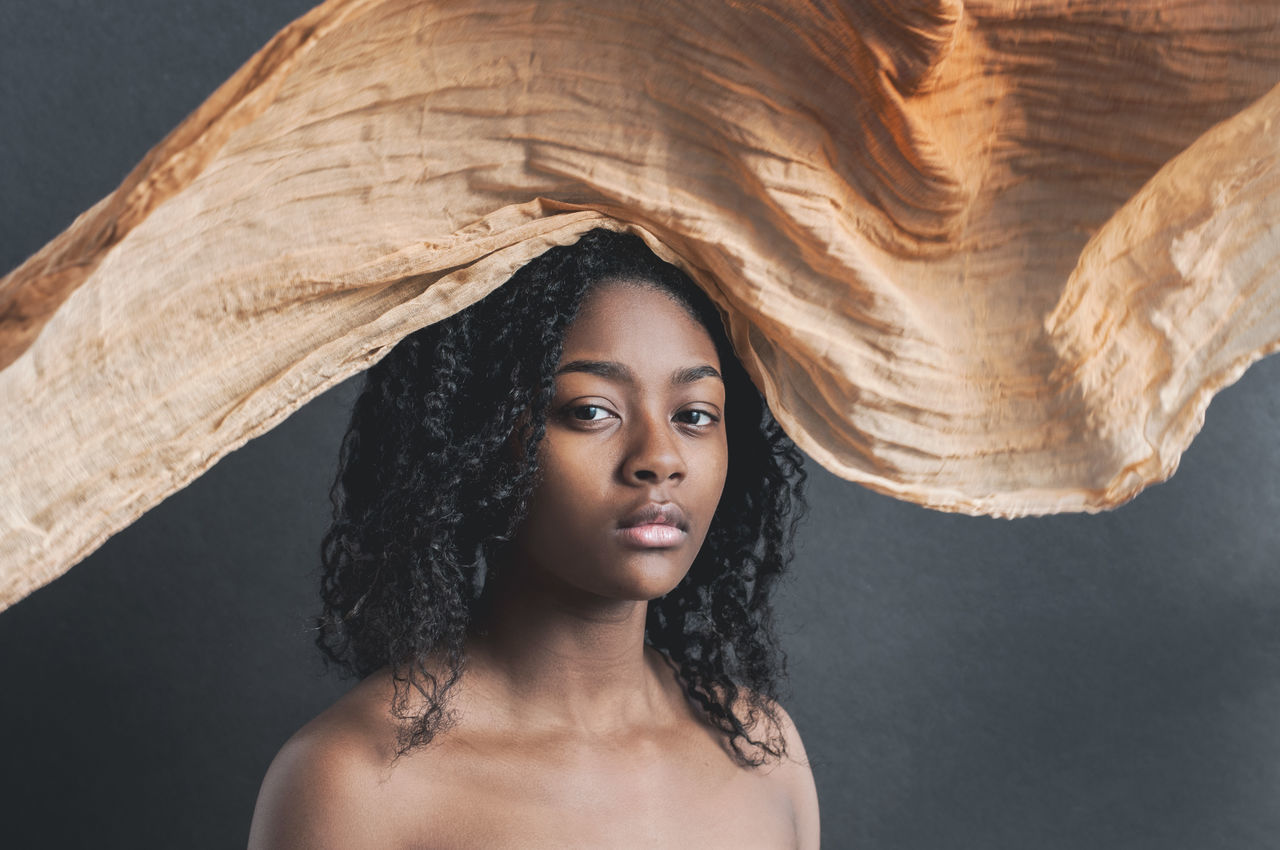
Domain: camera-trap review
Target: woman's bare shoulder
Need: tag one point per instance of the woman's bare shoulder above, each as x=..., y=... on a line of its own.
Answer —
x=792, y=772
x=796, y=772
x=329, y=785
x=790, y=776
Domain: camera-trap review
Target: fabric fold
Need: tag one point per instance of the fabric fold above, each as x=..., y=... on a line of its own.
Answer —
x=988, y=257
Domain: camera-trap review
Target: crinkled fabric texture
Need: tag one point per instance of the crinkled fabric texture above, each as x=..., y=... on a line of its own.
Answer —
x=990, y=257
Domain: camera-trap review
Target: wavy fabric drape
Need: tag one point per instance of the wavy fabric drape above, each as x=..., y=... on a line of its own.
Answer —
x=991, y=257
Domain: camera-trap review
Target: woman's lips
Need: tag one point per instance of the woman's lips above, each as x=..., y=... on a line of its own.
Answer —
x=653, y=536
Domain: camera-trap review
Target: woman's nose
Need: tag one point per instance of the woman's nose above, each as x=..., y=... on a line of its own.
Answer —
x=654, y=456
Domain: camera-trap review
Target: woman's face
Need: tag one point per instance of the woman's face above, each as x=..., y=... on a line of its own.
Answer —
x=634, y=458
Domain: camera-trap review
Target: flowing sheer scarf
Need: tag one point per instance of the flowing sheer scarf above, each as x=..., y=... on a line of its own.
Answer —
x=990, y=257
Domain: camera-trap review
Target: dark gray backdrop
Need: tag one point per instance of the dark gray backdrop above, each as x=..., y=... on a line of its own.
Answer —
x=1067, y=682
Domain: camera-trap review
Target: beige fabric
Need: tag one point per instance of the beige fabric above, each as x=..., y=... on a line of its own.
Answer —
x=988, y=257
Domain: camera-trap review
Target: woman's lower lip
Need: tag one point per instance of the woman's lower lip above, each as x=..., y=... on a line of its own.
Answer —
x=655, y=535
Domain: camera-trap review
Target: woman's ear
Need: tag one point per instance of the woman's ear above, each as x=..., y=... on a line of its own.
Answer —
x=514, y=448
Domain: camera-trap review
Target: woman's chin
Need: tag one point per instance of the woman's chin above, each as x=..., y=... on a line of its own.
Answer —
x=647, y=579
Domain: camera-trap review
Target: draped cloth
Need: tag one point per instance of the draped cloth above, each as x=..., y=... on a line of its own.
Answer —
x=992, y=256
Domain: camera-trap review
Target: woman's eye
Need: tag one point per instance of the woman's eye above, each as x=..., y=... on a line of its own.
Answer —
x=698, y=417
x=588, y=413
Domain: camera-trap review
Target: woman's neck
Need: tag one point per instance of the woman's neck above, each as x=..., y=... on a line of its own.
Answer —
x=559, y=658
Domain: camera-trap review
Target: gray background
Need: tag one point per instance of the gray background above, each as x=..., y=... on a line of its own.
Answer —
x=1066, y=682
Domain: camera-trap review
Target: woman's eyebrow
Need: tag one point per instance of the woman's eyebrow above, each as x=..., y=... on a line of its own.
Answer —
x=619, y=371
x=689, y=374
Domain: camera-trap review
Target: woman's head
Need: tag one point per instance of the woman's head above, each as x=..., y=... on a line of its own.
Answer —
x=465, y=447
x=633, y=461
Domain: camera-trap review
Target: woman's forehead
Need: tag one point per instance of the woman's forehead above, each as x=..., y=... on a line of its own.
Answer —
x=636, y=324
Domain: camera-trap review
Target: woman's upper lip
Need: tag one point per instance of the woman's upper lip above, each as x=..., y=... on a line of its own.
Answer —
x=656, y=513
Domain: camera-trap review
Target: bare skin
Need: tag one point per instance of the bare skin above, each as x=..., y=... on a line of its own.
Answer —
x=569, y=731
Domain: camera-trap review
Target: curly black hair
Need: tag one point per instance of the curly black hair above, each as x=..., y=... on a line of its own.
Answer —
x=428, y=491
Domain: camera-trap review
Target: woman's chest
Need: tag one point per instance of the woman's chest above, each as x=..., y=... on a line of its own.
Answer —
x=698, y=800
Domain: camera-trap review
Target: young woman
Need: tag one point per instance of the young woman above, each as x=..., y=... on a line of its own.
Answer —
x=559, y=517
